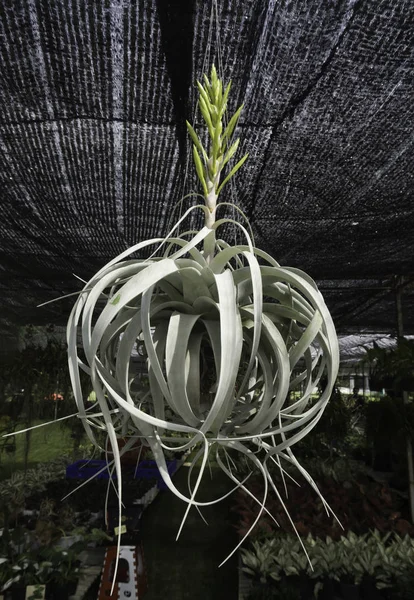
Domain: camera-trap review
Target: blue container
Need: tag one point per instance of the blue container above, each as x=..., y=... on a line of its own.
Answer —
x=148, y=469
x=84, y=469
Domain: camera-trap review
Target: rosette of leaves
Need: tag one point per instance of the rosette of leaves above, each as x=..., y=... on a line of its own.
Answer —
x=232, y=344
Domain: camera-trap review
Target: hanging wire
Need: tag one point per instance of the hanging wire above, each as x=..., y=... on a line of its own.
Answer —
x=206, y=59
x=220, y=68
x=214, y=28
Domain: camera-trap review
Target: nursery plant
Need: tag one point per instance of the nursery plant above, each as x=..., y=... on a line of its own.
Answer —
x=21, y=485
x=369, y=562
x=226, y=331
x=23, y=562
x=393, y=368
x=361, y=504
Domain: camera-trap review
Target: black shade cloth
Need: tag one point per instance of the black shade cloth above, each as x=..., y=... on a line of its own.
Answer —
x=94, y=155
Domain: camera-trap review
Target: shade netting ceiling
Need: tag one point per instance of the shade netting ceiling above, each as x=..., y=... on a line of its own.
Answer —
x=94, y=154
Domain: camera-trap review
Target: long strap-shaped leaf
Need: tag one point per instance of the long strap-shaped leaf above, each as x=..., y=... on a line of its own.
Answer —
x=168, y=301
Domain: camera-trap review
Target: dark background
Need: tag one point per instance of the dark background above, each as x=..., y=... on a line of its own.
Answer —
x=93, y=151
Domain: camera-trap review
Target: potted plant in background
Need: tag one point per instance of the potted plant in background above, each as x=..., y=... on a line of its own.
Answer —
x=7, y=574
x=64, y=571
x=372, y=565
x=281, y=559
x=35, y=592
x=350, y=571
x=28, y=567
x=294, y=563
x=392, y=369
x=260, y=562
x=13, y=548
x=398, y=567
x=29, y=580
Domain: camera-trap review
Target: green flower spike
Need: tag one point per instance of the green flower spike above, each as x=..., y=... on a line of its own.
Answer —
x=210, y=164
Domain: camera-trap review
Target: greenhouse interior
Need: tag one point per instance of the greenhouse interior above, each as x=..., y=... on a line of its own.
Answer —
x=207, y=299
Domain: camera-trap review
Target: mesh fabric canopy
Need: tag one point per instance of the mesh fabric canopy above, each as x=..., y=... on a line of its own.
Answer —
x=94, y=155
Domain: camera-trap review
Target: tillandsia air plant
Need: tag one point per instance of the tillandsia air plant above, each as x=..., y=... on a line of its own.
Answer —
x=227, y=334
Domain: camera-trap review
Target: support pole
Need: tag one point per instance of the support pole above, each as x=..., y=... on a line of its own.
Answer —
x=409, y=445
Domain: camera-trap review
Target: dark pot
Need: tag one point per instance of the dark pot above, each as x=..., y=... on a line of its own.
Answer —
x=300, y=587
x=369, y=590
x=349, y=591
x=328, y=590
x=262, y=591
x=72, y=586
x=306, y=587
x=18, y=592
x=57, y=591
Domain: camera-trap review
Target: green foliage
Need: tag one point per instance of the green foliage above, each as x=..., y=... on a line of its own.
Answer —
x=330, y=436
x=389, y=415
x=334, y=424
x=359, y=503
x=48, y=565
x=23, y=560
x=384, y=559
x=15, y=490
x=34, y=384
x=339, y=470
x=389, y=422
x=260, y=562
x=48, y=443
x=209, y=164
x=393, y=369
x=403, y=589
x=38, y=368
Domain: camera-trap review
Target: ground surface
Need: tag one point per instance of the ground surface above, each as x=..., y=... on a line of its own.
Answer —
x=46, y=443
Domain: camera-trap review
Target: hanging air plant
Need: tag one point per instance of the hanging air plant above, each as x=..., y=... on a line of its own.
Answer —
x=228, y=335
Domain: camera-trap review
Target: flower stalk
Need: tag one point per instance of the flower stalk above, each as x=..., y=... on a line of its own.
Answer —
x=210, y=164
